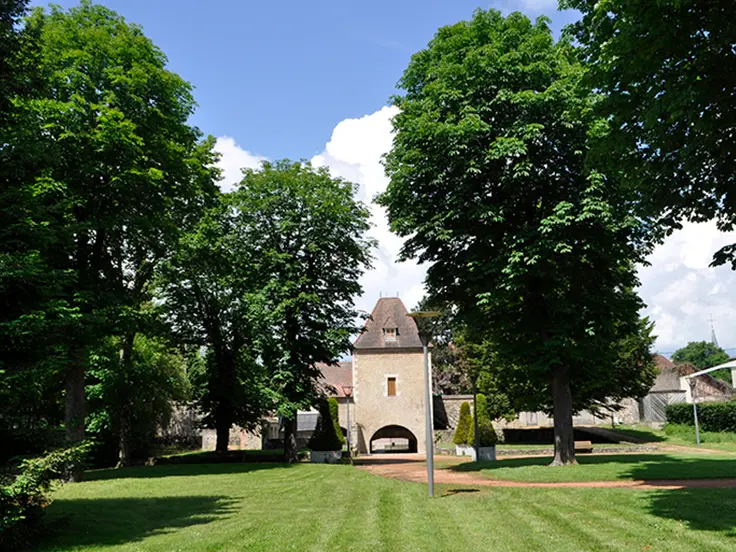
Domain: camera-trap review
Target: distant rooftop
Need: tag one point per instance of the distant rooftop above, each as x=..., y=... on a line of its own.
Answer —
x=335, y=377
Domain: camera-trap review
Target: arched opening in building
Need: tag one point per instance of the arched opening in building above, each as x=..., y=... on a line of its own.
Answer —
x=393, y=438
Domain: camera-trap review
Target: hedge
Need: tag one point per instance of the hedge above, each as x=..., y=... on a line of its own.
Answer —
x=712, y=416
x=25, y=493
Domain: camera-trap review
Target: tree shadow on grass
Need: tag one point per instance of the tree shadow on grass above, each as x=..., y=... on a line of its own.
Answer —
x=643, y=467
x=641, y=435
x=700, y=509
x=110, y=521
x=178, y=471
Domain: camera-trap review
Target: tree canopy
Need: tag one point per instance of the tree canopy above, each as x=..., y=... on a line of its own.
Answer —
x=703, y=355
x=489, y=184
x=306, y=234
x=665, y=73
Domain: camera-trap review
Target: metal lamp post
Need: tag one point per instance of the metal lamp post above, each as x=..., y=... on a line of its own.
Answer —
x=348, y=391
x=425, y=335
x=693, y=383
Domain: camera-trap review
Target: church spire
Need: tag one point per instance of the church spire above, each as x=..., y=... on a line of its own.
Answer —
x=713, y=338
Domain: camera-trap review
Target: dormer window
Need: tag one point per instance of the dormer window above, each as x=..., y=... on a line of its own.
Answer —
x=390, y=334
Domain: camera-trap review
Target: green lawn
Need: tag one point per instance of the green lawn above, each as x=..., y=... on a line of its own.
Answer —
x=608, y=467
x=682, y=435
x=229, y=507
x=545, y=447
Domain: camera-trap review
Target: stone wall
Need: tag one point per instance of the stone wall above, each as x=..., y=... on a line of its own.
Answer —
x=239, y=439
x=447, y=412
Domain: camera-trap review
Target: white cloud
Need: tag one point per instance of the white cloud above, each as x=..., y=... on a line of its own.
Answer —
x=682, y=291
x=539, y=5
x=529, y=6
x=354, y=152
x=679, y=287
x=233, y=158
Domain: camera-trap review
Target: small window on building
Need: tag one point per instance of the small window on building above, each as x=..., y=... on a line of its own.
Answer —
x=390, y=334
x=391, y=387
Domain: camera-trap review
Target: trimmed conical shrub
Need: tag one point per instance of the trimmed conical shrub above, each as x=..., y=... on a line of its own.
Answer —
x=335, y=415
x=325, y=438
x=486, y=432
x=464, y=426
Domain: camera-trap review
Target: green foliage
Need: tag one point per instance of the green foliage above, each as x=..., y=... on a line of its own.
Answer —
x=327, y=435
x=487, y=436
x=137, y=399
x=703, y=355
x=335, y=415
x=464, y=426
x=303, y=233
x=24, y=494
x=489, y=186
x=119, y=166
x=712, y=416
x=669, y=106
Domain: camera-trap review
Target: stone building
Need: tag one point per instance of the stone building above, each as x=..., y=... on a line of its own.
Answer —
x=388, y=380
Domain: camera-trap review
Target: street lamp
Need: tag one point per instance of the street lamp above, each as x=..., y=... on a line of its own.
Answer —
x=348, y=392
x=425, y=334
x=693, y=383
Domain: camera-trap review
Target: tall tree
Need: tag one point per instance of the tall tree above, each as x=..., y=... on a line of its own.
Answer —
x=666, y=73
x=488, y=184
x=305, y=232
x=205, y=288
x=703, y=355
x=124, y=161
x=33, y=311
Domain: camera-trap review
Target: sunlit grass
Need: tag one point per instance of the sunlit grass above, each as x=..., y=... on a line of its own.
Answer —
x=229, y=507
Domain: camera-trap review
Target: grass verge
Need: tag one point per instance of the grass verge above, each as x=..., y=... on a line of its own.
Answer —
x=608, y=467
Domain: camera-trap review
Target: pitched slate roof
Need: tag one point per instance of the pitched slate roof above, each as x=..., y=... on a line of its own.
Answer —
x=334, y=377
x=389, y=312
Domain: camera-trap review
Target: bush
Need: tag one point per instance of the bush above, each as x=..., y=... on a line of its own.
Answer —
x=23, y=495
x=464, y=426
x=325, y=436
x=486, y=433
x=712, y=416
x=335, y=415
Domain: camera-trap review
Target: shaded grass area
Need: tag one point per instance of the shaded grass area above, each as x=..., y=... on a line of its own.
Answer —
x=230, y=456
x=682, y=435
x=325, y=508
x=608, y=467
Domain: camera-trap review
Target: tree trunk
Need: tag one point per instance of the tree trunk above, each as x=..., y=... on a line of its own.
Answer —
x=124, y=421
x=222, y=429
x=124, y=454
x=562, y=404
x=74, y=403
x=291, y=453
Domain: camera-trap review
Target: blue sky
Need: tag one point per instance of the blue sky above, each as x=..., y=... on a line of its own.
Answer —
x=279, y=75
x=312, y=79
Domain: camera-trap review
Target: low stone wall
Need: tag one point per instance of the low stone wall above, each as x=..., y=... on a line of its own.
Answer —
x=447, y=412
x=239, y=439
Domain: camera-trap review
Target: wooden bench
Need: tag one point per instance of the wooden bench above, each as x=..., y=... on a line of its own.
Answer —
x=583, y=446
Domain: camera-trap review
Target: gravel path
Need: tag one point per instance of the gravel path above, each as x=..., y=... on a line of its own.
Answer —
x=411, y=467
